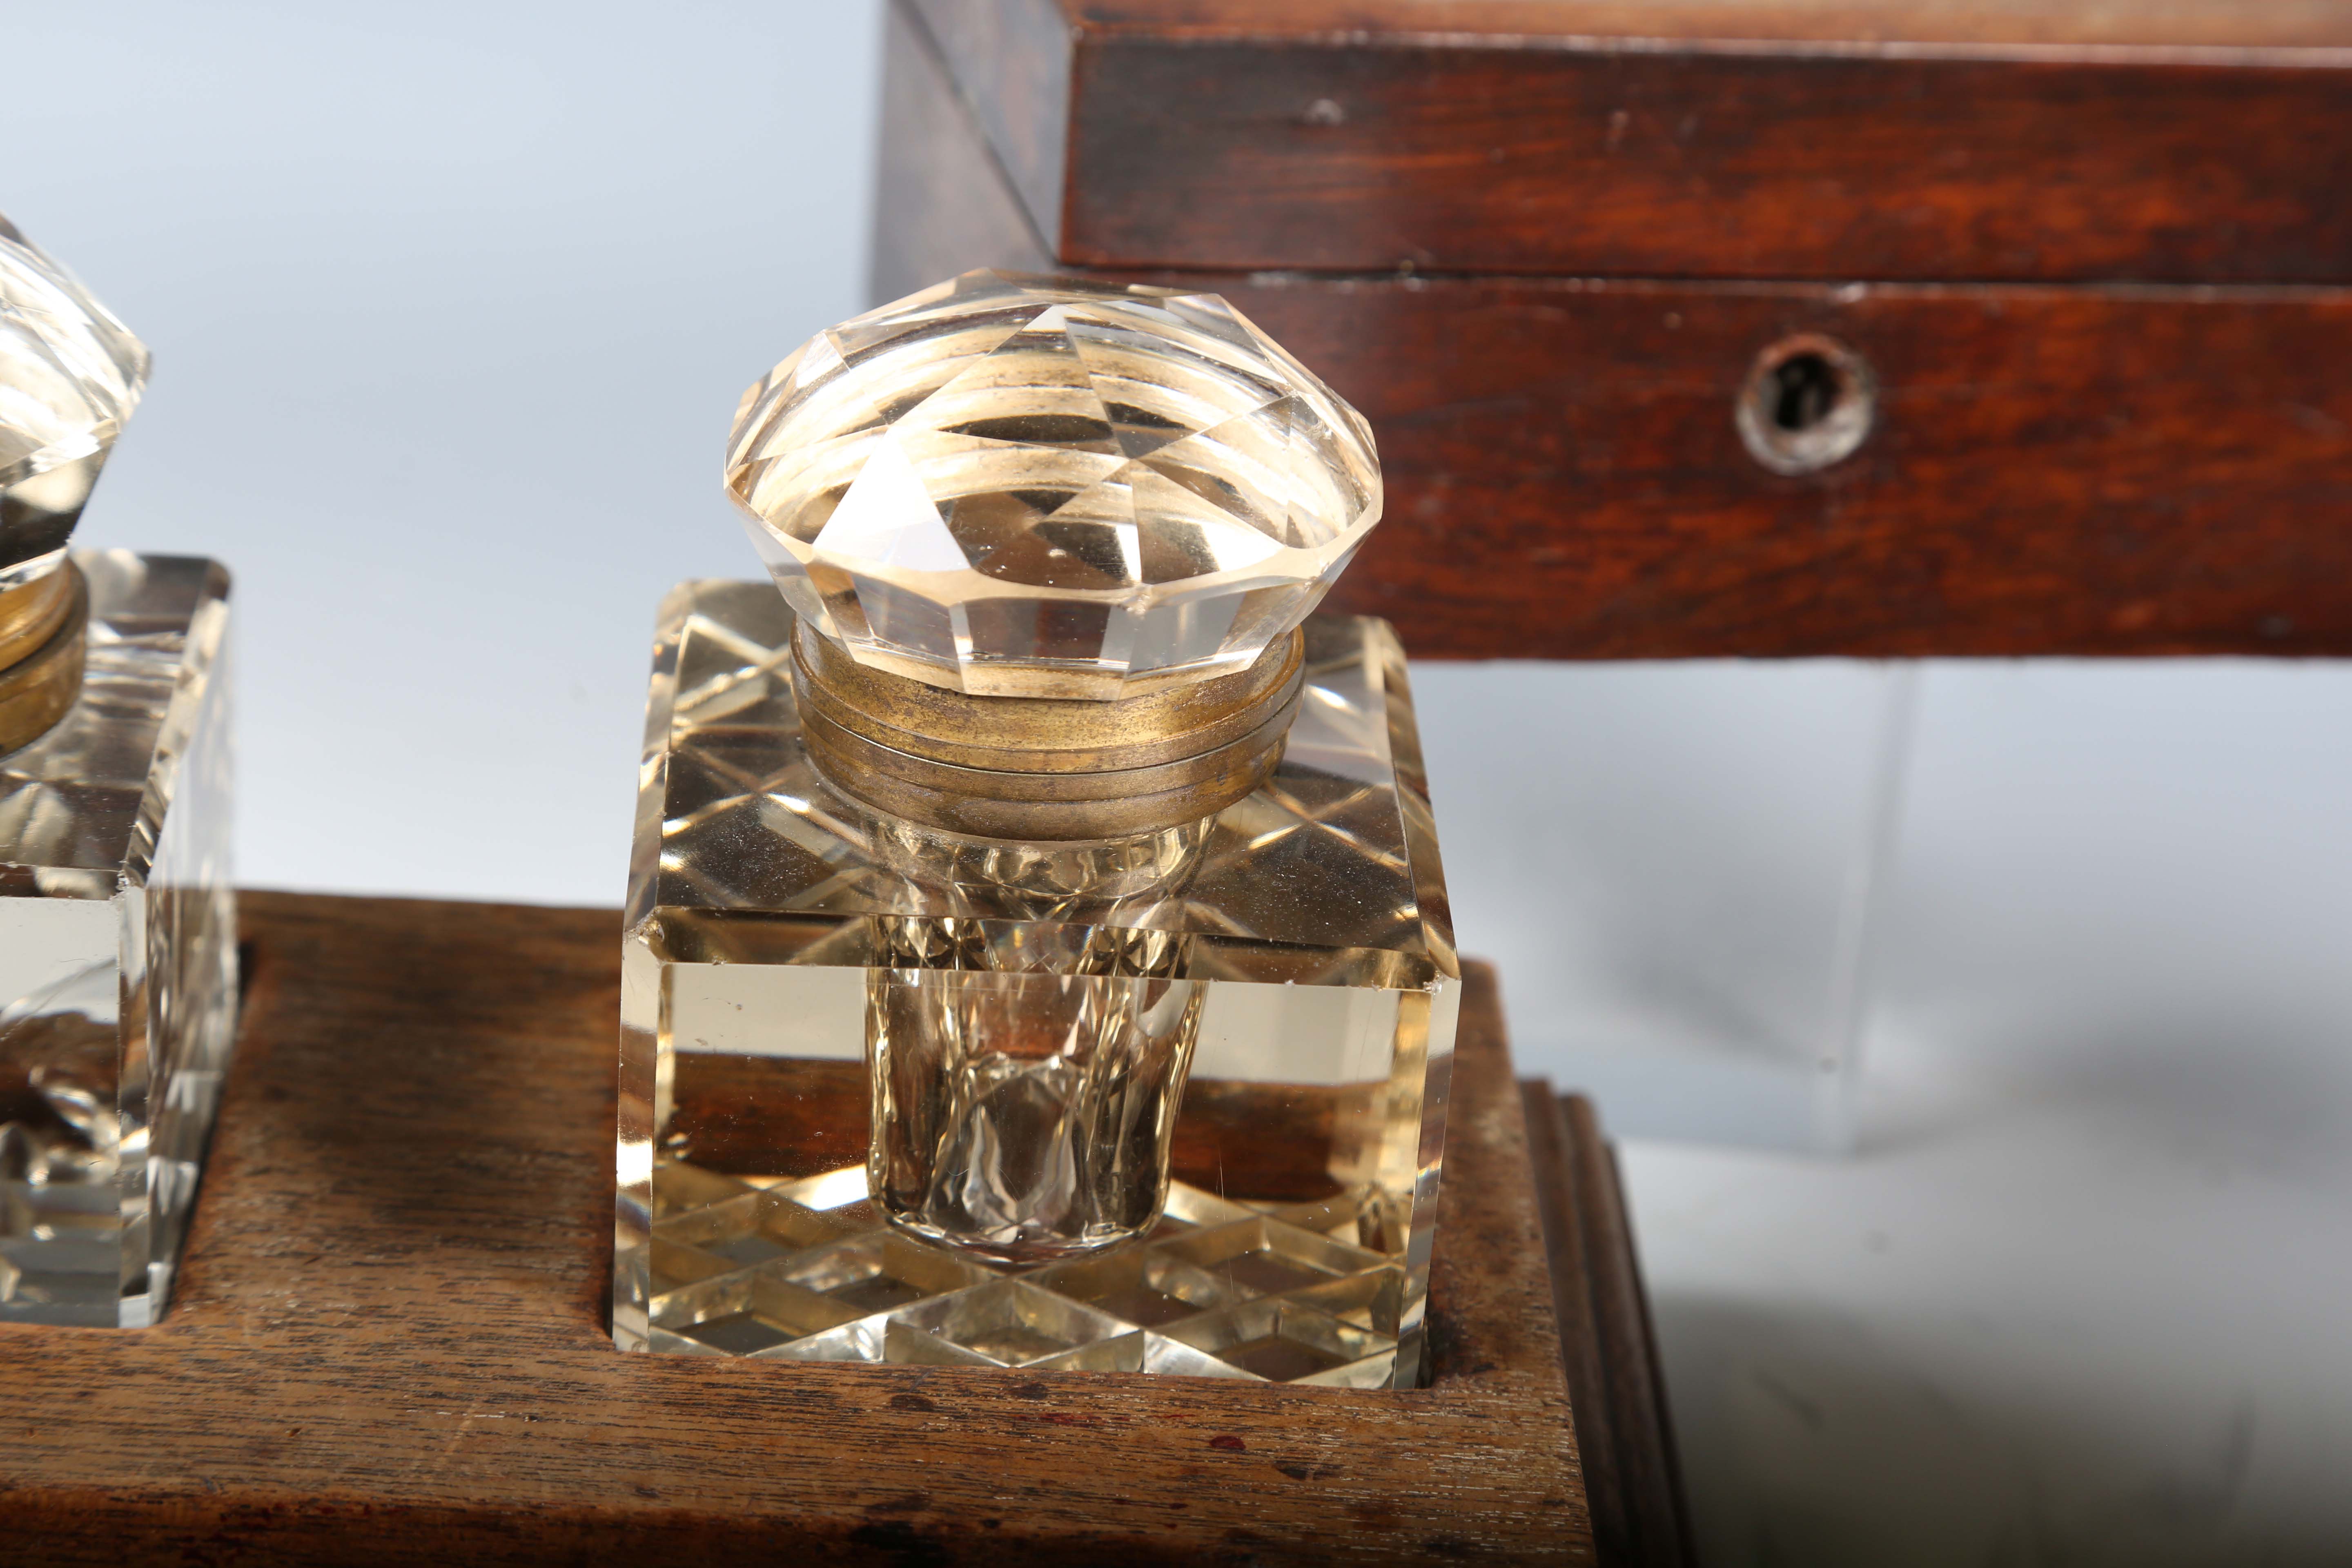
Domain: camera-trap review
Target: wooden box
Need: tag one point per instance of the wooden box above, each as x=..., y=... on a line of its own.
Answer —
x=2089, y=265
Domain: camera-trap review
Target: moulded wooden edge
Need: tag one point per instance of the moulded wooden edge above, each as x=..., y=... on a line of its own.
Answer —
x=1624, y=1430
x=2219, y=25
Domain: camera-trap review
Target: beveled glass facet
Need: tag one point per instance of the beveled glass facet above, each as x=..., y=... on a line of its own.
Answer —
x=1049, y=488
x=70, y=375
x=1180, y=1104
x=117, y=952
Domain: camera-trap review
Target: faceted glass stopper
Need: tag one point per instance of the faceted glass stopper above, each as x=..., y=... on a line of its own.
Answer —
x=1039, y=487
x=70, y=375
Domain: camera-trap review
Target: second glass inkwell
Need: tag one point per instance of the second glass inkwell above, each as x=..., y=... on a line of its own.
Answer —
x=1036, y=952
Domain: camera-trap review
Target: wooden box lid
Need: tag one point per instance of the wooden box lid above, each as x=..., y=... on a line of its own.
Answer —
x=2167, y=140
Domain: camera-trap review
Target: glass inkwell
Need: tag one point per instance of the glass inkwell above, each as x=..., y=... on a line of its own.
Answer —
x=1037, y=953
x=117, y=927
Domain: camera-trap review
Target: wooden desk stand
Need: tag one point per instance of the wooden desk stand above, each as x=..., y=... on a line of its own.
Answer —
x=389, y=1346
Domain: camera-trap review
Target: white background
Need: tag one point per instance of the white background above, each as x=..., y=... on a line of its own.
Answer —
x=451, y=308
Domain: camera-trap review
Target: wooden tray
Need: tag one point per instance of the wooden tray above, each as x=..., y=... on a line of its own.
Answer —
x=389, y=1344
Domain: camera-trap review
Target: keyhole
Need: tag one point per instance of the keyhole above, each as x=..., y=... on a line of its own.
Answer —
x=1804, y=390
x=1808, y=404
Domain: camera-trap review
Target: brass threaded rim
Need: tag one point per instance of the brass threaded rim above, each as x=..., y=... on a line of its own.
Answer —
x=1044, y=820
x=31, y=612
x=1043, y=734
x=39, y=684
x=1044, y=768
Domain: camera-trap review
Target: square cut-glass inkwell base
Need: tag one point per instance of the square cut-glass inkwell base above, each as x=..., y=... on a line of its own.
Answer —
x=117, y=952
x=757, y=961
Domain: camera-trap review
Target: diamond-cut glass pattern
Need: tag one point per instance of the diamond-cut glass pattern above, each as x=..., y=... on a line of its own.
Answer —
x=1045, y=487
x=70, y=375
x=1279, y=1305
x=118, y=958
x=759, y=956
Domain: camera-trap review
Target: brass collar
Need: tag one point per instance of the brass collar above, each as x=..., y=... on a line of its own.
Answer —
x=1043, y=768
x=42, y=644
x=31, y=612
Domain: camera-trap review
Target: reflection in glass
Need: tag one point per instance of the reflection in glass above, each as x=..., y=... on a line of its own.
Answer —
x=1253, y=1016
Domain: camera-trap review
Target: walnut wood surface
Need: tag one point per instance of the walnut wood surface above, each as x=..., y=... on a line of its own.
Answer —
x=2180, y=141
x=2108, y=471
x=388, y=1344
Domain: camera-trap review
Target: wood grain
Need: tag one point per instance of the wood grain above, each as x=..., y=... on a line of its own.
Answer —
x=2182, y=143
x=388, y=1344
x=2053, y=470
